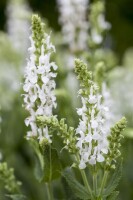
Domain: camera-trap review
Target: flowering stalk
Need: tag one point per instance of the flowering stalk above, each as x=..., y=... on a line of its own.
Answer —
x=91, y=127
x=96, y=143
x=39, y=98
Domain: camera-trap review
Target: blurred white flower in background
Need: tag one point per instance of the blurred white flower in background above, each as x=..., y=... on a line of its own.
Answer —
x=13, y=47
x=111, y=115
x=98, y=25
x=10, y=76
x=18, y=15
x=73, y=14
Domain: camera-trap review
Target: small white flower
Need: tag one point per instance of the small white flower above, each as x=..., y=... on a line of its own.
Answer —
x=92, y=160
x=100, y=158
x=88, y=138
x=97, y=38
x=96, y=136
x=80, y=111
x=92, y=99
x=94, y=124
x=105, y=151
x=82, y=165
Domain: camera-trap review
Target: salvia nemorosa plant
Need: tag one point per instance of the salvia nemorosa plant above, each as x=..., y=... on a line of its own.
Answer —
x=94, y=144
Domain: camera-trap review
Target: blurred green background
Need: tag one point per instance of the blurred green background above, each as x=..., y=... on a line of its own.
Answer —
x=118, y=12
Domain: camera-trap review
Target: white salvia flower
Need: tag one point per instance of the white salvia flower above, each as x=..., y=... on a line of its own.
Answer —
x=18, y=13
x=74, y=24
x=92, y=133
x=39, y=98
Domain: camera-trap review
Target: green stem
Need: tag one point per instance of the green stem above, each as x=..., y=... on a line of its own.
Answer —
x=86, y=182
x=50, y=176
x=103, y=182
x=49, y=191
x=49, y=184
x=83, y=174
x=95, y=181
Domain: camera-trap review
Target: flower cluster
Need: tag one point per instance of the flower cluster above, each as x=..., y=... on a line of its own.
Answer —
x=39, y=84
x=74, y=24
x=8, y=178
x=91, y=130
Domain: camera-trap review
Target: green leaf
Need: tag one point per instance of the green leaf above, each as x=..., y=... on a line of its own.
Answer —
x=52, y=165
x=113, y=196
x=17, y=197
x=114, y=180
x=47, y=163
x=39, y=162
x=69, y=194
x=38, y=170
x=78, y=189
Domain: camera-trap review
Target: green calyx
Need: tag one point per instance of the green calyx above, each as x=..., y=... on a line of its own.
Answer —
x=82, y=73
x=8, y=178
x=44, y=143
x=37, y=35
x=67, y=133
x=85, y=78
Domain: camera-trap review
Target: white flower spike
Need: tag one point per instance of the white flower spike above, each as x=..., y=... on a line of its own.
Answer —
x=39, y=98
